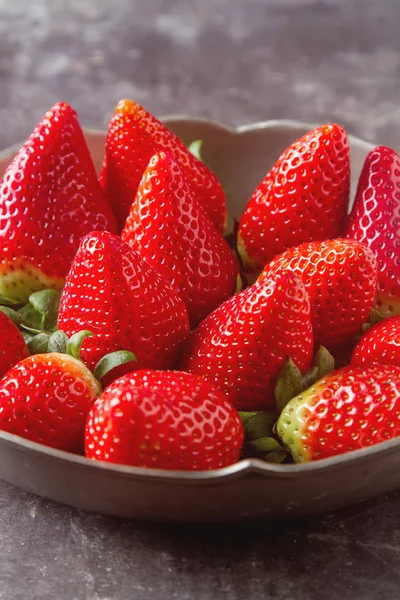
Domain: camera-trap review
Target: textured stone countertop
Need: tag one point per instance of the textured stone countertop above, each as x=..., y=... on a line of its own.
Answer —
x=237, y=61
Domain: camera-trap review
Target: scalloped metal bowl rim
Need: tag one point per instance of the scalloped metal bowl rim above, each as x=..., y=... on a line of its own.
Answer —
x=240, y=468
x=248, y=128
x=244, y=466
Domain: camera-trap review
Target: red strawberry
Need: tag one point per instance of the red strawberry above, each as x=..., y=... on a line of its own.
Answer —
x=349, y=409
x=134, y=135
x=242, y=346
x=46, y=398
x=112, y=292
x=340, y=277
x=173, y=234
x=375, y=221
x=12, y=344
x=165, y=420
x=49, y=199
x=380, y=344
x=304, y=197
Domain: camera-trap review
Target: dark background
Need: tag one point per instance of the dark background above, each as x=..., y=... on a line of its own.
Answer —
x=237, y=61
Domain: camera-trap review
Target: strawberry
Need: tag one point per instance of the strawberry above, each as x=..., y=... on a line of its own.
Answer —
x=134, y=135
x=349, y=409
x=380, y=344
x=165, y=420
x=112, y=292
x=49, y=199
x=12, y=344
x=375, y=221
x=172, y=233
x=303, y=198
x=242, y=346
x=45, y=398
x=340, y=277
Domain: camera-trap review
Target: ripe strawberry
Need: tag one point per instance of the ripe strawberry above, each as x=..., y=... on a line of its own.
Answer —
x=349, y=409
x=49, y=199
x=112, y=292
x=304, y=197
x=340, y=277
x=375, y=220
x=12, y=344
x=134, y=135
x=45, y=398
x=173, y=234
x=165, y=420
x=242, y=346
x=380, y=344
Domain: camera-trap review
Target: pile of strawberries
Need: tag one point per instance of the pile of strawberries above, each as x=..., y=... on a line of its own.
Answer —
x=133, y=332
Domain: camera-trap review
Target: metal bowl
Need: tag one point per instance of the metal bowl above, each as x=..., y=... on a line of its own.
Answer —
x=249, y=489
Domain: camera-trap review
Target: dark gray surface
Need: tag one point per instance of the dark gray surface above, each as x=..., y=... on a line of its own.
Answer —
x=238, y=61
x=49, y=551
